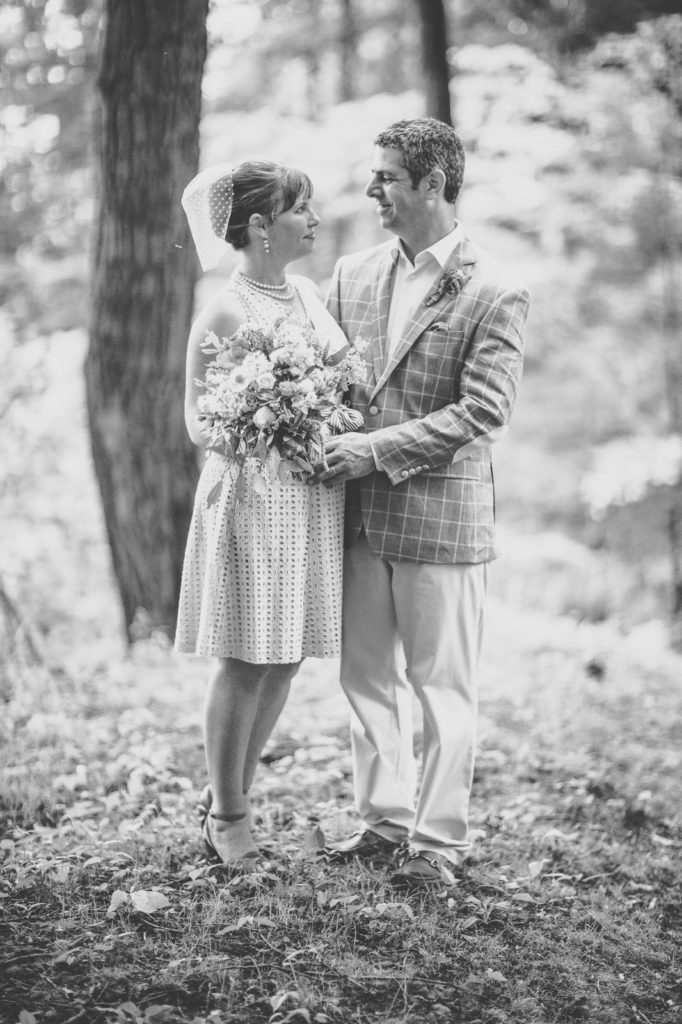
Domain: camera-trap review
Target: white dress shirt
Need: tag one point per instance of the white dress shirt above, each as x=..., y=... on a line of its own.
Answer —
x=411, y=282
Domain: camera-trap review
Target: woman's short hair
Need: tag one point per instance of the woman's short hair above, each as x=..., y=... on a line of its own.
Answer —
x=266, y=188
x=426, y=143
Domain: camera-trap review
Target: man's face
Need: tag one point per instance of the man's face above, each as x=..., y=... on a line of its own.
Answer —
x=400, y=206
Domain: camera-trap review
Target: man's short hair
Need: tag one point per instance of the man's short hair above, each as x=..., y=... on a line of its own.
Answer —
x=426, y=143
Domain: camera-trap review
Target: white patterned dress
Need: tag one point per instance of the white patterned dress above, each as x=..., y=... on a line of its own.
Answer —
x=262, y=576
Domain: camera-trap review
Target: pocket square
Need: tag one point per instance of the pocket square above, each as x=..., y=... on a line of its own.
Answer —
x=440, y=325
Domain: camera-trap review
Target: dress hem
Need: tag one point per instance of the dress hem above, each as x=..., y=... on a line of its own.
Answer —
x=279, y=660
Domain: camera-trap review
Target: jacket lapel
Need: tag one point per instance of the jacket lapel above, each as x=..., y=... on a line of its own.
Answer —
x=376, y=352
x=463, y=258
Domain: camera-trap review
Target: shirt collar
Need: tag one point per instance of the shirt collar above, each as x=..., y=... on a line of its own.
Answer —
x=440, y=251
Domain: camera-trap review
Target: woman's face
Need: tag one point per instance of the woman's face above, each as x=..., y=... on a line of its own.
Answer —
x=292, y=235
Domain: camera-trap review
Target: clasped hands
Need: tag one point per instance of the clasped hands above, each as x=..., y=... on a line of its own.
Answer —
x=347, y=456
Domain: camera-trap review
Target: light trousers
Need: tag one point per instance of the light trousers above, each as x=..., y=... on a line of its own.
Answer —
x=412, y=628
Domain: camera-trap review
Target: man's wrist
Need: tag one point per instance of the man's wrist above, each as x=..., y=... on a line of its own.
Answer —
x=375, y=454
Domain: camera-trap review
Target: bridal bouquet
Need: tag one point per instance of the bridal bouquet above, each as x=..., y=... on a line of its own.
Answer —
x=279, y=402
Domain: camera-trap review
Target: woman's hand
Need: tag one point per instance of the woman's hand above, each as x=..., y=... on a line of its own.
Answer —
x=236, y=351
x=347, y=457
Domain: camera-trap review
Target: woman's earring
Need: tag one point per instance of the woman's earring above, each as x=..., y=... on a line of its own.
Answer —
x=266, y=245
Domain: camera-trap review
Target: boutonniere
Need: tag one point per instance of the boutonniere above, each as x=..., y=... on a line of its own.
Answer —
x=450, y=283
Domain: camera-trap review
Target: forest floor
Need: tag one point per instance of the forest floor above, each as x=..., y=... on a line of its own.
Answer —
x=568, y=909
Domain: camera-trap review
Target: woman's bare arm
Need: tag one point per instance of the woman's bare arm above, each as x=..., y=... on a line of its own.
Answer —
x=223, y=316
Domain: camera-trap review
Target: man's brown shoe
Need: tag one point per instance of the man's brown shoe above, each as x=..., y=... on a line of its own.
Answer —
x=424, y=870
x=366, y=845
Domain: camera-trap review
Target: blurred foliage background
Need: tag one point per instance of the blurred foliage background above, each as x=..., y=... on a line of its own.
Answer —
x=571, y=111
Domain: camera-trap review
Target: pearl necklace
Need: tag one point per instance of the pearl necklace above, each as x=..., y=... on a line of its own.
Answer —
x=263, y=306
x=275, y=291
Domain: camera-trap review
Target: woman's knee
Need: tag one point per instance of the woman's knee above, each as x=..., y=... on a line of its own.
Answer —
x=281, y=675
x=242, y=673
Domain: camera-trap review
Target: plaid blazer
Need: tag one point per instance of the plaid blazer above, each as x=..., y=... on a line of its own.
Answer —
x=451, y=379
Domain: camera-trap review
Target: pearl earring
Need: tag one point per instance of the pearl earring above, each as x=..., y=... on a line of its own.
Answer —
x=266, y=245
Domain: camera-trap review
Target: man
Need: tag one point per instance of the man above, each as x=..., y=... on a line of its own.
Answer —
x=443, y=327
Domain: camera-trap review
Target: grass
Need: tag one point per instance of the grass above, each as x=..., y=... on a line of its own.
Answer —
x=568, y=910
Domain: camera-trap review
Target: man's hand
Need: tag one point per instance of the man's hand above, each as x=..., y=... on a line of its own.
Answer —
x=348, y=456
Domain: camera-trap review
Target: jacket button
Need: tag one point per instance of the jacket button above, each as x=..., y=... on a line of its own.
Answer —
x=373, y=410
x=405, y=473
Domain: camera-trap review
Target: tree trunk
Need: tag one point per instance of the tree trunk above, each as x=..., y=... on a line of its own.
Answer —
x=672, y=348
x=435, y=68
x=348, y=49
x=675, y=541
x=144, y=273
x=312, y=59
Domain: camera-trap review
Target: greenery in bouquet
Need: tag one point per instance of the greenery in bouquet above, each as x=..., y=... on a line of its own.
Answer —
x=274, y=395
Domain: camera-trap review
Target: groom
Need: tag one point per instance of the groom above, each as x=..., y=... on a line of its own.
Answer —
x=444, y=331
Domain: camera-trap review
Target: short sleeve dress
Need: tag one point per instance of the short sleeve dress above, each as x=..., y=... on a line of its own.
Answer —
x=262, y=575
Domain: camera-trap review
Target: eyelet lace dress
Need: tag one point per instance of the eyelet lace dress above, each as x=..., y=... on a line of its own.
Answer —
x=262, y=576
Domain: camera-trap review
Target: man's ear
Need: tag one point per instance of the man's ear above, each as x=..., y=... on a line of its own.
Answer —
x=435, y=182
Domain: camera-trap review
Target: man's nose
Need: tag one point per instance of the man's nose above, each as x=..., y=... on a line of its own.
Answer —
x=373, y=187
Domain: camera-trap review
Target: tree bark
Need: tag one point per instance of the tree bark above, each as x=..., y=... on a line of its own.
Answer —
x=435, y=68
x=312, y=59
x=675, y=538
x=152, y=64
x=672, y=347
x=348, y=49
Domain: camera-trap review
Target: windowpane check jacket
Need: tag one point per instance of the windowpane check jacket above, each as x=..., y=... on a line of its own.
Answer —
x=452, y=379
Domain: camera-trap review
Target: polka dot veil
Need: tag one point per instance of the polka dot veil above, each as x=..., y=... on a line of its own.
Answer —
x=207, y=202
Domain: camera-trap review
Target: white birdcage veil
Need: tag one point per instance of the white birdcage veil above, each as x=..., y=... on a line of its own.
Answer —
x=207, y=202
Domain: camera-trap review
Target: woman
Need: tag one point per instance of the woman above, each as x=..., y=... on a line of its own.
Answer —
x=261, y=586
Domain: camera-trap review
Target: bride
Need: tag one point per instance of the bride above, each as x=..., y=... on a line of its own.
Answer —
x=261, y=583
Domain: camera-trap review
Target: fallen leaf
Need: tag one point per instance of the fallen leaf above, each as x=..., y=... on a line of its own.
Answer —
x=315, y=839
x=148, y=901
x=394, y=910
x=118, y=899
x=61, y=873
x=342, y=901
x=663, y=840
x=246, y=922
x=126, y=1010
x=158, y=1012
x=555, y=835
x=536, y=867
x=280, y=998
